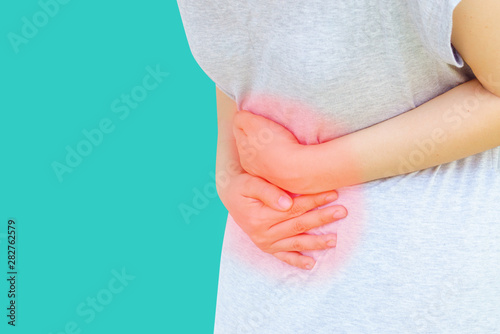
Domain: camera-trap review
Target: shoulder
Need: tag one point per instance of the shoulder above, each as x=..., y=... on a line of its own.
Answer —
x=476, y=36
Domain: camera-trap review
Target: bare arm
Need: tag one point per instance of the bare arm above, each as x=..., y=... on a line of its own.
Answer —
x=462, y=122
x=457, y=124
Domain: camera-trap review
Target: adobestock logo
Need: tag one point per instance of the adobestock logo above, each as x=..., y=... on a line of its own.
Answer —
x=453, y=119
x=98, y=302
x=121, y=106
x=203, y=195
x=202, y=198
x=74, y=157
x=31, y=26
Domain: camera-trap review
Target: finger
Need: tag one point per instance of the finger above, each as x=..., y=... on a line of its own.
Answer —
x=245, y=119
x=307, y=221
x=240, y=137
x=266, y=128
x=296, y=259
x=304, y=203
x=268, y=194
x=246, y=151
x=259, y=129
x=239, y=133
x=303, y=242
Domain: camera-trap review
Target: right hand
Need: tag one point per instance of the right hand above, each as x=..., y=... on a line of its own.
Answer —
x=275, y=223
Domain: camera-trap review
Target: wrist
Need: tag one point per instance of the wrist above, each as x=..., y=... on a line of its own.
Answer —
x=322, y=165
x=304, y=172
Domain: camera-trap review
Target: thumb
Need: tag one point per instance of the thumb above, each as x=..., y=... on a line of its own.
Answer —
x=269, y=194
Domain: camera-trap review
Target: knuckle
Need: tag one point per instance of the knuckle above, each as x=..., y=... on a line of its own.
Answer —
x=253, y=224
x=288, y=259
x=321, y=243
x=299, y=226
x=261, y=242
x=282, y=258
x=297, y=245
x=318, y=200
x=266, y=249
x=295, y=260
x=325, y=216
x=297, y=209
x=254, y=230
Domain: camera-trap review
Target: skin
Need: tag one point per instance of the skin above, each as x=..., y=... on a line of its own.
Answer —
x=459, y=123
x=454, y=125
x=274, y=222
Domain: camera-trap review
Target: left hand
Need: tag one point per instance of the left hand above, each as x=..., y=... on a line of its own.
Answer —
x=268, y=150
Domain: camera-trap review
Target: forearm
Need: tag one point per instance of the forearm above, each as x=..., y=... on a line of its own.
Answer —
x=462, y=122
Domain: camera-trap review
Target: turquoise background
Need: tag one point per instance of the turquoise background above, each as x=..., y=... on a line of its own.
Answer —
x=119, y=208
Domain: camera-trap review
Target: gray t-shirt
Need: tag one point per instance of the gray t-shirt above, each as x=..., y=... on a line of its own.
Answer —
x=418, y=253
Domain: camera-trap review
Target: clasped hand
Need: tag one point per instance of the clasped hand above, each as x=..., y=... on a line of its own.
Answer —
x=276, y=223
x=268, y=150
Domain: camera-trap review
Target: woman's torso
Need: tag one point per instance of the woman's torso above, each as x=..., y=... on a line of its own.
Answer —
x=418, y=252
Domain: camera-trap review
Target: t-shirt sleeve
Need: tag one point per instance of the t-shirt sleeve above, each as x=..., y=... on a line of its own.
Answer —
x=434, y=20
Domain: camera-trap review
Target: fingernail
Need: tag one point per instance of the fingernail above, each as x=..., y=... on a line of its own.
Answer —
x=285, y=202
x=332, y=197
x=339, y=214
x=331, y=242
x=309, y=265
